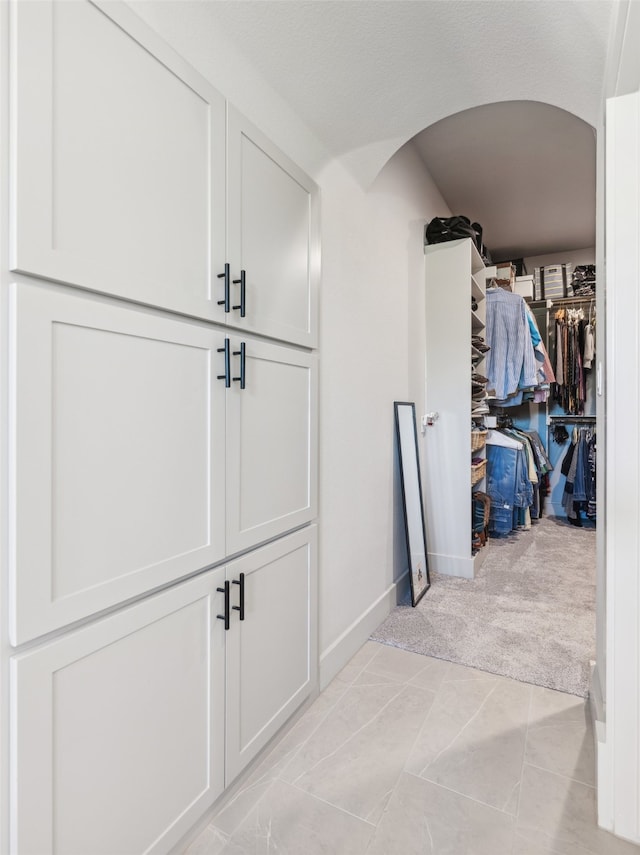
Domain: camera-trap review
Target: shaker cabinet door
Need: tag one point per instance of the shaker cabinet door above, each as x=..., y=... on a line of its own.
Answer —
x=271, y=654
x=118, y=450
x=271, y=441
x=118, y=158
x=273, y=235
x=118, y=728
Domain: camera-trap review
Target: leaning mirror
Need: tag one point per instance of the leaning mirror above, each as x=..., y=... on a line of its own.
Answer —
x=407, y=438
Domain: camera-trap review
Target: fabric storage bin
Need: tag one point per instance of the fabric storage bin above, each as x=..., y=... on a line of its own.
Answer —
x=553, y=282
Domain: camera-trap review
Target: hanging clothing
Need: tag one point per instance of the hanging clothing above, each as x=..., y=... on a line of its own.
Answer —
x=575, y=351
x=510, y=364
x=517, y=479
x=579, y=468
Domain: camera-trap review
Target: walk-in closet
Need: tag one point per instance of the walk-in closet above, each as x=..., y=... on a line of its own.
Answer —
x=508, y=438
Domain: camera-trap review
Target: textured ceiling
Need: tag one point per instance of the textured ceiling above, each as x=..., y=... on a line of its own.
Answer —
x=368, y=75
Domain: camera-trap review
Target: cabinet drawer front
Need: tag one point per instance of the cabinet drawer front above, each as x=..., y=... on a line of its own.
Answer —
x=118, y=728
x=271, y=654
x=273, y=225
x=271, y=444
x=118, y=449
x=118, y=158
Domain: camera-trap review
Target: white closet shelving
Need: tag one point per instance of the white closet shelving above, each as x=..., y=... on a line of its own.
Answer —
x=455, y=275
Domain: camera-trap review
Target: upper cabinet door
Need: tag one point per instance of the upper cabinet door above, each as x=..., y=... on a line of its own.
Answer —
x=273, y=235
x=117, y=483
x=118, y=159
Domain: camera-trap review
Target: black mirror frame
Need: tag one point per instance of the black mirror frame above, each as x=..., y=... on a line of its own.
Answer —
x=412, y=504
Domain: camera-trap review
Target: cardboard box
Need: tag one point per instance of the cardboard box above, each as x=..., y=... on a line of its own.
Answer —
x=525, y=286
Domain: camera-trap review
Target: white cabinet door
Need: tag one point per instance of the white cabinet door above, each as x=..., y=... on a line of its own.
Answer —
x=271, y=654
x=118, y=159
x=117, y=444
x=117, y=729
x=271, y=442
x=273, y=236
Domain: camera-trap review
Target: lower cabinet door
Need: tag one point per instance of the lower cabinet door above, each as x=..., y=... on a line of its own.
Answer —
x=272, y=653
x=117, y=729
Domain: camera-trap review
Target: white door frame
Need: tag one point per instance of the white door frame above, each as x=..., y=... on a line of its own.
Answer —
x=618, y=731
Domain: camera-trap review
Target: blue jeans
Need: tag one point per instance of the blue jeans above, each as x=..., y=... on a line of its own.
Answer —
x=508, y=486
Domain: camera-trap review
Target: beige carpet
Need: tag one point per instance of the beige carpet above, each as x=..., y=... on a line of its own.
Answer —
x=529, y=614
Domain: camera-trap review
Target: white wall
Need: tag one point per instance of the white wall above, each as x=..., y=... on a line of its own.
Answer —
x=573, y=256
x=372, y=353
x=371, y=337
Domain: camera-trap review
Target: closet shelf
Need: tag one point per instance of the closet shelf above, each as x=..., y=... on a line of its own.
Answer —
x=476, y=322
x=476, y=290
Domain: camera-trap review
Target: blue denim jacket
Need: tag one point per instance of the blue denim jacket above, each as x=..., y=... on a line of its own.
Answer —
x=508, y=486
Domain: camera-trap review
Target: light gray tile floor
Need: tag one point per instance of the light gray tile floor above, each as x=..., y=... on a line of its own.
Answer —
x=405, y=754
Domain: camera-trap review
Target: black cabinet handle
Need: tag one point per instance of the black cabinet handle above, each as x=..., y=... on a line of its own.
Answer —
x=227, y=298
x=240, y=608
x=242, y=354
x=227, y=615
x=227, y=364
x=243, y=292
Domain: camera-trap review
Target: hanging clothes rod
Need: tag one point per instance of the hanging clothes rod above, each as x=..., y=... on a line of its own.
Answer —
x=571, y=420
x=563, y=302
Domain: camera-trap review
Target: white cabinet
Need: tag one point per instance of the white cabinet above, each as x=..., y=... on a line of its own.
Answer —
x=120, y=182
x=119, y=728
x=159, y=428
x=271, y=441
x=272, y=232
x=454, y=273
x=272, y=653
x=118, y=159
x=124, y=434
x=118, y=455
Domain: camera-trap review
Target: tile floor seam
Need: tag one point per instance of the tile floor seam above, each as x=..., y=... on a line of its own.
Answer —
x=351, y=735
x=299, y=748
x=524, y=752
x=460, y=732
x=559, y=775
x=245, y=815
x=331, y=804
x=463, y=795
x=419, y=733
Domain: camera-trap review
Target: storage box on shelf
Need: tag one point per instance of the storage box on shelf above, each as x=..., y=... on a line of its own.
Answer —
x=553, y=281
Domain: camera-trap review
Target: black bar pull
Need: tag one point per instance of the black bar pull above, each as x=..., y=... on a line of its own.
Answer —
x=242, y=353
x=226, y=617
x=240, y=608
x=243, y=292
x=227, y=364
x=227, y=297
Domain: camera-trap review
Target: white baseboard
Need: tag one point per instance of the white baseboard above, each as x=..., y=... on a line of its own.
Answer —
x=336, y=656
